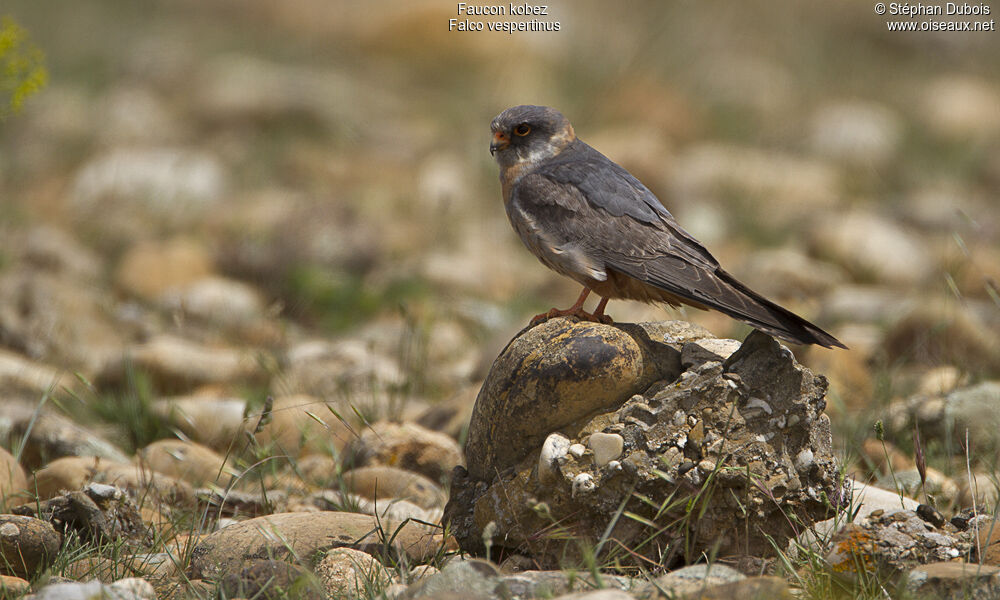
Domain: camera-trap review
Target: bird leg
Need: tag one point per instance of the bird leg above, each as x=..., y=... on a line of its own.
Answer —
x=576, y=311
x=599, y=315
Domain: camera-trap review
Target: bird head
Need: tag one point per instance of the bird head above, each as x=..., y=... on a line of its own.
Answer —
x=529, y=133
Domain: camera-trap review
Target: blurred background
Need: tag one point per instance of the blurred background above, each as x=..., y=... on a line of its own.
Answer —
x=286, y=180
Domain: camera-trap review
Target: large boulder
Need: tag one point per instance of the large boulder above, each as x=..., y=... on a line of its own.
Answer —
x=656, y=435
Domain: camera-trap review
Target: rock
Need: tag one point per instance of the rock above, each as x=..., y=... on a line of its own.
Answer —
x=751, y=588
x=689, y=581
x=301, y=424
x=67, y=474
x=176, y=364
x=788, y=187
x=306, y=535
x=866, y=500
x=953, y=581
x=348, y=368
x=392, y=509
x=233, y=504
x=545, y=584
x=887, y=545
x=151, y=270
x=187, y=461
x=21, y=376
x=472, y=579
x=864, y=134
x=987, y=548
x=883, y=457
x=215, y=300
x=272, y=230
x=407, y=446
x=27, y=545
x=124, y=589
x=695, y=433
x=136, y=115
x=789, y=273
x=972, y=409
x=348, y=573
x=552, y=375
x=51, y=249
x=872, y=248
x=381, y=482
x=316, y=470
x=73, y=473
x=98, y=513
x=452, y=415
x=940, y=380
x=271, y=579
x=696, y=353
x=51, y=436
x=65, y=322
x=123, y=190
x=936, y=333
x=13, y=483
x=962, y=107
x=215, y=421
x=13, y=587
x=606, y=447
x=866, y=304
x=937, y=485
x=596, y=595
x=981, y=491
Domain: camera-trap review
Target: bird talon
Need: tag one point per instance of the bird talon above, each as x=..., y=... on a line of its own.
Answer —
x=579, y=313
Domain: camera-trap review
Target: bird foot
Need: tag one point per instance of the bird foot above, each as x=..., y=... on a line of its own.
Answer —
x=579, y=313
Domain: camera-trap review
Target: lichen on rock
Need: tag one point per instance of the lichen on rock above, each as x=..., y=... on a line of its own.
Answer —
x=725, y=455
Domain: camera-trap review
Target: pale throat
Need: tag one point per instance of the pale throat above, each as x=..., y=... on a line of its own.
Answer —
x=525, y=159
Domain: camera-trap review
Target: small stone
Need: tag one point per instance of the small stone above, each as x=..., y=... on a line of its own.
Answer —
x=707, y=350
x=583, y=484
x=13, y=483
x=11, y=586
x=953, y=581
x=348, y=573
x=606, y=447
x=215, y=421
x=930, y=514
x=988, y=542
x=577, y=450
x=187, y=461
x=473, y=579
x=301, y=424
x=554, y=449
x=178, y=363
x=692, y=579
x=131, y=588
x=27, y=545
x=149, y=270
x=381, y=482
x=271, y=579
x=407, y=446
x=304, y=534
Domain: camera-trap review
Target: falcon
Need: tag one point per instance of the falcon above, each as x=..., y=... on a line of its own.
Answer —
x=589, y=219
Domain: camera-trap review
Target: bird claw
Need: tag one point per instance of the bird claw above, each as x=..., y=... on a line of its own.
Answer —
x=579, y=313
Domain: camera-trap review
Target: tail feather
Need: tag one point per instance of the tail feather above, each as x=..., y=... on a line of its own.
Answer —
x=767, y=316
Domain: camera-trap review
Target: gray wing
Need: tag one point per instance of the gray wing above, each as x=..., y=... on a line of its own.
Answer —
x=612, y=221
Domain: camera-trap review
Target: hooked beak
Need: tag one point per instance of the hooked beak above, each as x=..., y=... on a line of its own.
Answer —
x=500, y=141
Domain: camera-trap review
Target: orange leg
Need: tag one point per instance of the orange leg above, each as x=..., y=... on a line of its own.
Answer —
x=576, y=310
x=599, y=312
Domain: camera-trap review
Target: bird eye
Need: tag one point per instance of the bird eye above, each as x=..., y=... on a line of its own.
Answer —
x=522, y=130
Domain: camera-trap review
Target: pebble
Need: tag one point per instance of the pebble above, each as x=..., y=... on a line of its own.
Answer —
x=606, y=447
x=405, y=445
x=345, y=572
x=27, y=545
